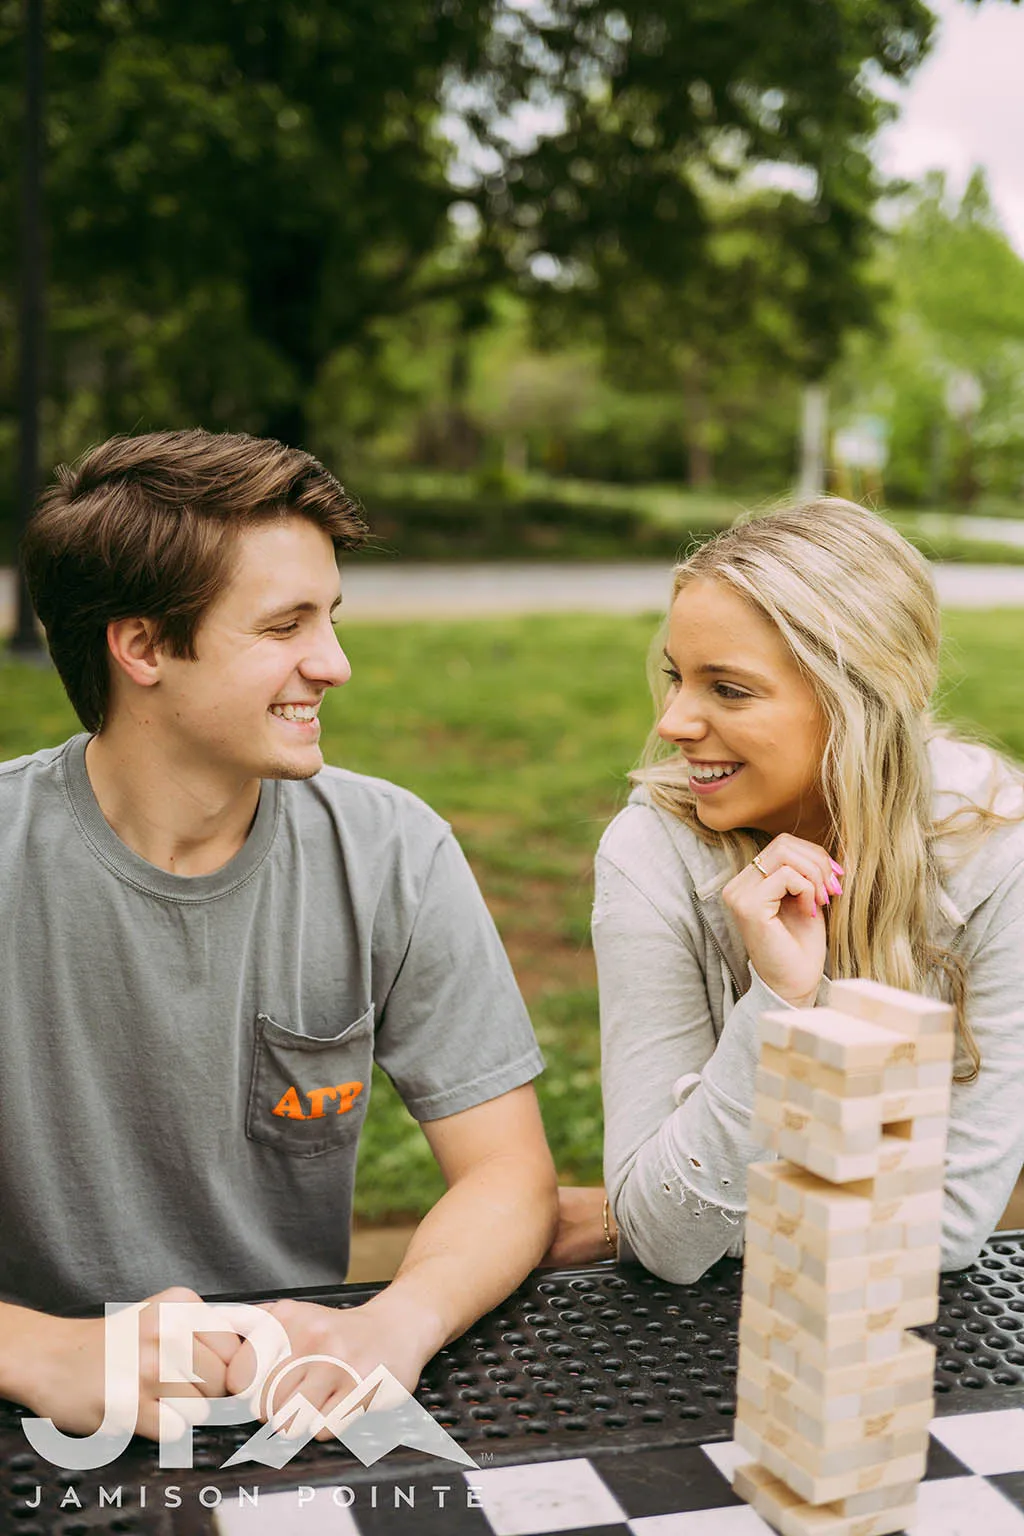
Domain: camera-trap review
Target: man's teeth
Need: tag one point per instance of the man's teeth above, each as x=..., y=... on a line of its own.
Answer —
x=294, y=711
x=712, y=773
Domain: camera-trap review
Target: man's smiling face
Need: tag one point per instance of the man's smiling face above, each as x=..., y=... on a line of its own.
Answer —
x=266, y=653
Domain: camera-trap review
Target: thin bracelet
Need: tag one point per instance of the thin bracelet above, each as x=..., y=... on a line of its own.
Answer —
x=613, y=1247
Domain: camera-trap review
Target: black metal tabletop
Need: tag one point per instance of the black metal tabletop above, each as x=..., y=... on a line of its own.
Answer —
x=576, y=1362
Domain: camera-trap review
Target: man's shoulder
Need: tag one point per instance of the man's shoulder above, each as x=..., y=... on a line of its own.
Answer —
x=20, y=775
x=368, y=807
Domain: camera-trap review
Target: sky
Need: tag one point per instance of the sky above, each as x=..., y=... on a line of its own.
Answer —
x=965, y=106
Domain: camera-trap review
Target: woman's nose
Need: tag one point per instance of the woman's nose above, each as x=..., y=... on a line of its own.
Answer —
x=680, y=719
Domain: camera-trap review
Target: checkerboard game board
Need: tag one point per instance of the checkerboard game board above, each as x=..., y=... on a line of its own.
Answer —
x=974, y=1487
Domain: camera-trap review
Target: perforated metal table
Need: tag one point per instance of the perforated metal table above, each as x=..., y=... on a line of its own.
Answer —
x=577, y=1363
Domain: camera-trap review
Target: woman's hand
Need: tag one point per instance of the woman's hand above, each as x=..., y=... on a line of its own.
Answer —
x=781, y=914
x=580, y=1237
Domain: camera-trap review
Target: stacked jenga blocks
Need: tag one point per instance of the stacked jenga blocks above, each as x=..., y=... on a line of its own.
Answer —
x=834, y=1398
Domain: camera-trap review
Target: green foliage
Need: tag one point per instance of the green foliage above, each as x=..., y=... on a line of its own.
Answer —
x=956, y=308
x=521, y=733
x=234, y=192
x=243, y=200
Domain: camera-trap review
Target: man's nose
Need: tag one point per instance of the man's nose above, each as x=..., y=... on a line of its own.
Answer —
x=328, y=663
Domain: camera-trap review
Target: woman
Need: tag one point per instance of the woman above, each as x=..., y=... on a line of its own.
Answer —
x=801, y=657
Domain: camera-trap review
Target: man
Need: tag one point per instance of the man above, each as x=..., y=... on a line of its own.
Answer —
x=207, y=938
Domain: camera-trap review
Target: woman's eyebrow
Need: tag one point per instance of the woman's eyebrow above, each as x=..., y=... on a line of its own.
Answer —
x=709, y=668
x=714, y=668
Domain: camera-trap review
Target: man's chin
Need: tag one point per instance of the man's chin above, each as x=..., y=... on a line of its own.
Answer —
x=305, y=767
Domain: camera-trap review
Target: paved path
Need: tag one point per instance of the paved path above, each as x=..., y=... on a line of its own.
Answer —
x=392, y=592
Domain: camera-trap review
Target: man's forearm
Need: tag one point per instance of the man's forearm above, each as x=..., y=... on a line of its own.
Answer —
x=472, y=1249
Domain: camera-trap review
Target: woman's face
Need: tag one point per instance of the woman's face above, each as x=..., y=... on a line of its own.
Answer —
x=738, y=702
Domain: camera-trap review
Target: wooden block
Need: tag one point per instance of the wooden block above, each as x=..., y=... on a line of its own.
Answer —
x=848, y=1044
x=756, y=1236
x=841, y=1110
x=836, y=1167
x=761, y=1178
x=875, y=1500
x=768, y=1085
x=844, y=1292
x=929, y=1128
x=820, y=1476
x=837, y=1434
x=912, y=1362
x=818, y=1204
x=776, y=1503
x=853, y=1470
x=848, y=1084
x=891, y=1007
x=929, y=1050
x=795, y=1349
x=907, y=1103
x=833, y=1328
x=775, y=1028
x=859, y=1392
x=903, y=1210
x=834, y=1273
x=856, y=1134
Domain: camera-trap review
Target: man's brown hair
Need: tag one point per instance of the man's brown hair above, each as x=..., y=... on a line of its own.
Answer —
x=143, y=527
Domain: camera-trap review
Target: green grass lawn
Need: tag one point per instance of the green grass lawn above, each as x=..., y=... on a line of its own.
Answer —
x=520, y=732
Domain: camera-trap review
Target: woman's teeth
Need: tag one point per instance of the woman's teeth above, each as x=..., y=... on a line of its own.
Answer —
x=705, y=774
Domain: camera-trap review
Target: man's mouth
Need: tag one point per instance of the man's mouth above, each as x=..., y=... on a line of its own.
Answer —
x=304, y=714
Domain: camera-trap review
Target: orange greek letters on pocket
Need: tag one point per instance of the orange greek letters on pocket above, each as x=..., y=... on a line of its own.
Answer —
x=289, y=1106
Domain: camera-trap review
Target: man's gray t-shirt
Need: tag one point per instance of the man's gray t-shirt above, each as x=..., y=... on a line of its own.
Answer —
x=185, y=1062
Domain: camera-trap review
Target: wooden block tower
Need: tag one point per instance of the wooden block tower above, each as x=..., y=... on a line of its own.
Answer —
x=834, y=1398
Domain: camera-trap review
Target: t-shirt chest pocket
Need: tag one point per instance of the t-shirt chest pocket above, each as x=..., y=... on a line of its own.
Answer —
x=307, y=1095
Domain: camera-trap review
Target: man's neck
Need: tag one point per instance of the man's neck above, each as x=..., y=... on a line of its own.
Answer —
x=180, y=818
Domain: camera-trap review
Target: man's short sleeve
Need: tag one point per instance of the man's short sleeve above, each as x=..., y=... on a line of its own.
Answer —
x=454, y=1030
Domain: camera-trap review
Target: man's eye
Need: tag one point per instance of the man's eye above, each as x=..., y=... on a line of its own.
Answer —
x=285, y=629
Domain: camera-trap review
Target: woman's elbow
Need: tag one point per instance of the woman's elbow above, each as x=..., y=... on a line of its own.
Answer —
x=672, y=1256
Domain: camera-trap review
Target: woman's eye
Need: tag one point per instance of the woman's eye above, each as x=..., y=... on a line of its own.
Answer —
x=673, y=677
x=725, y=691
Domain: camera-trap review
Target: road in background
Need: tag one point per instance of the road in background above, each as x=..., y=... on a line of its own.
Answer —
x=393, y=592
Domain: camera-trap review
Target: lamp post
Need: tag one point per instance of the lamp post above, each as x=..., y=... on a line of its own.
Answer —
x=25, y=641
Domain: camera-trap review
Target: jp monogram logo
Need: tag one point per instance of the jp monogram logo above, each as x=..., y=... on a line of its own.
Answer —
x=376, y=1417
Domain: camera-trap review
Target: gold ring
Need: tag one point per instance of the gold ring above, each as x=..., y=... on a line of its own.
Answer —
x=756, y=861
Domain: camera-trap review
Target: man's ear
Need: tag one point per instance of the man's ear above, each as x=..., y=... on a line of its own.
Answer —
x=133, y=647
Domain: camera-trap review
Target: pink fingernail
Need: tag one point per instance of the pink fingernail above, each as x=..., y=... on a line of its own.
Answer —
x=834, y=886
x=837, y=867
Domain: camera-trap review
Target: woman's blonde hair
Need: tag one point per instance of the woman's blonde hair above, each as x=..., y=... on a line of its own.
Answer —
x=856, y=606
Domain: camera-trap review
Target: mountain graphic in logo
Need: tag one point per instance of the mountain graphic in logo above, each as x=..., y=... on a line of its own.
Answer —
x=379, y=1415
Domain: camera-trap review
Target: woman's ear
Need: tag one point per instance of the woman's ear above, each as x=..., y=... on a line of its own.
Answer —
x=134, y=649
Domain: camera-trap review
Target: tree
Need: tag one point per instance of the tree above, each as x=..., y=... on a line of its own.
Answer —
x=667, y=108
x=239, y=192
x=234, y=191
x=955, y=312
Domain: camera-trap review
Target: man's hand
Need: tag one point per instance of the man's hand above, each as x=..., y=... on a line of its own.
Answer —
x=360, y=1338
x=61, y=1372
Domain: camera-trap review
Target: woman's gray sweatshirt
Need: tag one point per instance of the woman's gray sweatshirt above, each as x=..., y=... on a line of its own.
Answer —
x=679, y=1008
